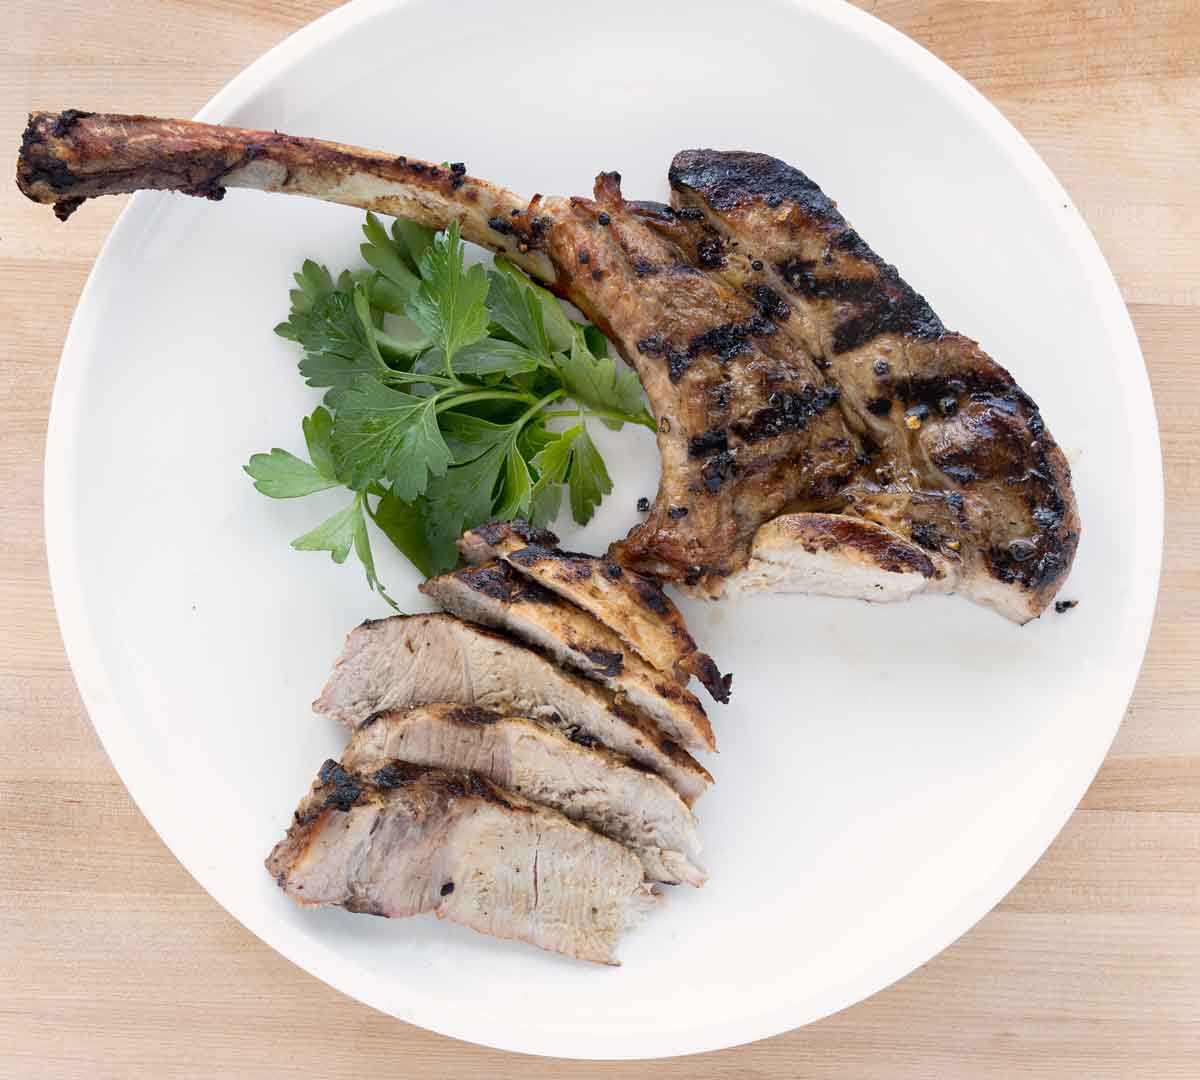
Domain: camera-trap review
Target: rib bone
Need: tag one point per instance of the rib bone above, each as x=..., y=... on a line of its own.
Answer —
x=791, y=370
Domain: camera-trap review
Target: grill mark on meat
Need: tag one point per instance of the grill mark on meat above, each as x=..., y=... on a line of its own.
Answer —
x=577, y=639
x=468, y=664
x=711, y=442
x=411, y=844
x=886, y=304
x=959, y=413
x=345, y=789
x=675, y=291
x=729, y=340
x=618, y=601
x=606, y=662
x=718, y=471
x=787, y=412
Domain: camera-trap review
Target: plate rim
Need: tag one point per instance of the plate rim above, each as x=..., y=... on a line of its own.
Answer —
x=156, y=805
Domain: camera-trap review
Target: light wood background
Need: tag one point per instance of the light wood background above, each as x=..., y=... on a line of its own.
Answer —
x=114, y=963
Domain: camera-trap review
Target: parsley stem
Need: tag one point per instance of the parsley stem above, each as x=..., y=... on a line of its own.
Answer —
x=484, y=395
x=537, y=407
x=625, y=418
x=406, y=378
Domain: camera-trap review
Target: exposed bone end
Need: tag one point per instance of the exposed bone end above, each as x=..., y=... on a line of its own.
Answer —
x=71, y=156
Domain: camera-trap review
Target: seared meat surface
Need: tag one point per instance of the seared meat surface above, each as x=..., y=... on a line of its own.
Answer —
x=791, y=370
x=586, y=784
x=955, y=457
x=403, y=839
x=410, y=660
x=633, y=606
x=495, y=595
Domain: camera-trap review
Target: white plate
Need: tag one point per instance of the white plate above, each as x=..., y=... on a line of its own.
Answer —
x=887, y=773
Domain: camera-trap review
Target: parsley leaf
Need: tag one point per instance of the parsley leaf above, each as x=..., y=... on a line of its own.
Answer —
x=516, y=308
x=589, y=480
x=413, y=238
x=441, y=426
x=284, y=476
x=545, y=506
x=318, y=429
x=314, y=284
x=553, y=461
x=339, y=343
x=382, y=433
x=405, y=524
x=560, y=331
x=490, y=356
x=517, y=491
x=338, y=534
x=450, y=303
x=460, y=500
x=613, y=396
x=469, y=436
x=335, y=534
x=386, y=256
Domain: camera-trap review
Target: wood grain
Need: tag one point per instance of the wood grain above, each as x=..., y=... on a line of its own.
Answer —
x=113, y=963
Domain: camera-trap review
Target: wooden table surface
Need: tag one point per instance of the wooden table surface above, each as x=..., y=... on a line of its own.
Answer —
x=113, y=961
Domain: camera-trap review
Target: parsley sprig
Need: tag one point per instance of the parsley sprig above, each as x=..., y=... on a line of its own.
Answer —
x=453, y=395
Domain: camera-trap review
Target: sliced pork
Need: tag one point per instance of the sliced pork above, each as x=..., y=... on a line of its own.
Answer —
x=586, y=784
x=633, y=606
x=495, y=595
x=410, y=660
x=404, y=840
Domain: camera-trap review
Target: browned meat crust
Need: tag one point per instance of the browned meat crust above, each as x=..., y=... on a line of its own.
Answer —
x=591, y=785
x=404, y=839
x=632, y=605
x=495, y=595
x=992, y=500
x=789, y=367
x=410, y=660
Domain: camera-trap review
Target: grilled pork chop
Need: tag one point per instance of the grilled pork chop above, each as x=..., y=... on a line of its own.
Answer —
x=406, y=839
x=633, y=606
x=495, y=595
x=590, y=785
x=409, y=660
x=791, y=370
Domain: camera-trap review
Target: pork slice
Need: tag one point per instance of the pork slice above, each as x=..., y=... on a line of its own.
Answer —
x=405, y=839
x=632, y=605
x=410, y=660
x=586, y=784
x=495, y=595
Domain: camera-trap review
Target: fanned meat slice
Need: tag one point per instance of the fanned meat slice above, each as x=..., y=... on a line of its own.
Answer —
x=591, y=785
x=405, y=840
x=790, y=369
x=495, y=595
x=957, y=459
x=633, y=606
x=410, y=660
